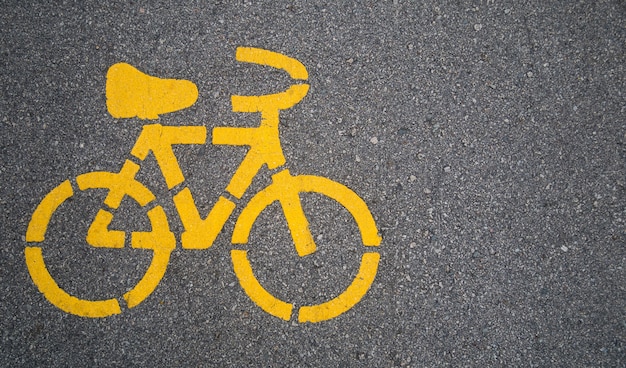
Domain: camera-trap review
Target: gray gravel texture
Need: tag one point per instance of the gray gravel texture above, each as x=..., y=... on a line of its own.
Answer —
x=487, y=137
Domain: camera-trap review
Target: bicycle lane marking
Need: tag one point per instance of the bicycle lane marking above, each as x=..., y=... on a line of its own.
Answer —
x=131, y=93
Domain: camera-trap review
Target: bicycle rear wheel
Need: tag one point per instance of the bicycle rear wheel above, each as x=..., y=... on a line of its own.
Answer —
x=160, y=240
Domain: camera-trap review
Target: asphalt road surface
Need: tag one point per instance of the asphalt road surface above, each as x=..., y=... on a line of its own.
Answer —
x=487, y=139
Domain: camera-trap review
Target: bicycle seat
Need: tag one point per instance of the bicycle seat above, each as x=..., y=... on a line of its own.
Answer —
x=131, y=93
x=276, y=101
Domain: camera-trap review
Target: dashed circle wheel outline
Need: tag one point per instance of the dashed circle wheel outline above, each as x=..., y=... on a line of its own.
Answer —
x=160, y=240
x=369, y=260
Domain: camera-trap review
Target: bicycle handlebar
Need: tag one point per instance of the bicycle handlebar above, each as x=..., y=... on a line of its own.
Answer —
x=276, y=101
x=254, y=55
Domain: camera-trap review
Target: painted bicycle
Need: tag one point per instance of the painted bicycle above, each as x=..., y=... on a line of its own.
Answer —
x=131, y=93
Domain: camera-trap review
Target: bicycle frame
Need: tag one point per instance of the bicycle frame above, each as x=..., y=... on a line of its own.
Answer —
x=265, y=149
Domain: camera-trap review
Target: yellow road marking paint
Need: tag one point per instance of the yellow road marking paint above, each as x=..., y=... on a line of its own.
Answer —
x=270, y=104
x=346, y=300
x=273, y=59
x=162, y=242
x=285, y=189
x=119, y=185
x=199, y=233
x=284, y=183
x=58, y=297
x=253, y=288
x=289, y=197
x=131, y=93
x=159, y=140
x=41, y=217
x=348, y=199
x=297, y=222
x=265, y=148
x=99, y=234
x=277, y=101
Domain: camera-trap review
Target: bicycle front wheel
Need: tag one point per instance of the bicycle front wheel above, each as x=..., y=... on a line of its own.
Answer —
x=286, y=189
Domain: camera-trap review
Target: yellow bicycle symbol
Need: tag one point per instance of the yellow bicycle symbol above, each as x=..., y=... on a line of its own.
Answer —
x=130, y=93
